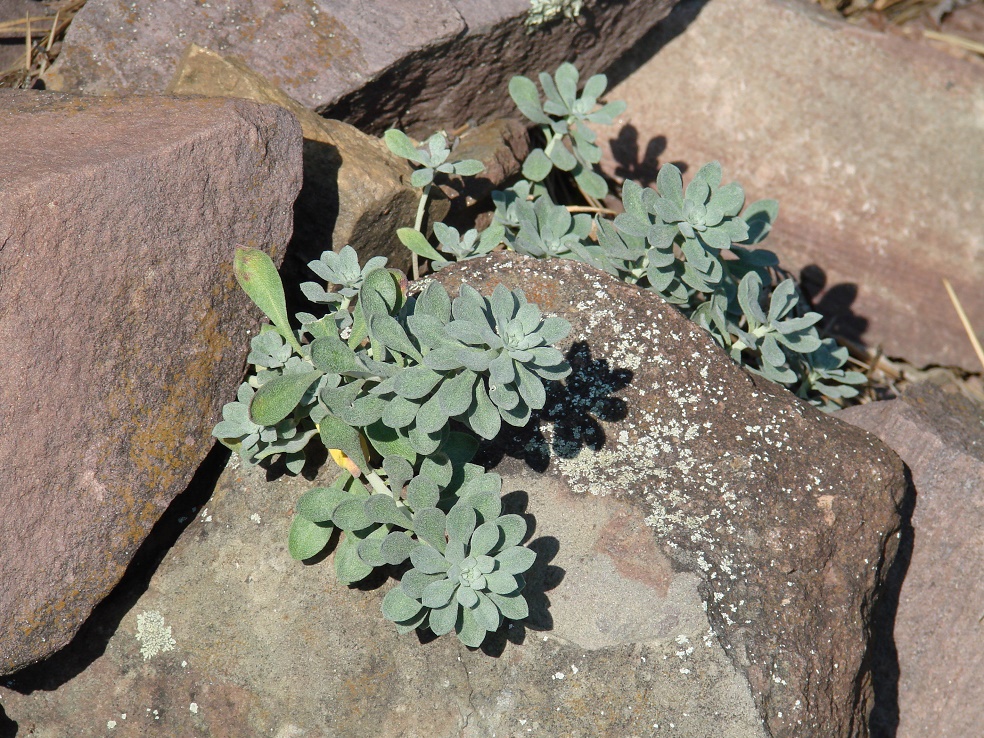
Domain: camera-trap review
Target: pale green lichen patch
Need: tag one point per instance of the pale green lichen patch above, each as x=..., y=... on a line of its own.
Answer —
x=153, y=634
x=542, y=11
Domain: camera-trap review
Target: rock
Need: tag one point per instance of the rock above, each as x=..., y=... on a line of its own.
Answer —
x=122, y=324
x=420, y=64
x=356, y=192
x=852, y=131
x=708, y=549
x=939, y=433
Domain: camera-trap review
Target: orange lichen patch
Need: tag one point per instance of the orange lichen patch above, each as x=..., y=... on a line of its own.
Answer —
x=632, y=547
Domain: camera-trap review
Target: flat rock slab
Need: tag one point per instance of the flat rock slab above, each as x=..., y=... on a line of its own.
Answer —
x=122, y=325
x=708, y=547
x=417, y=63
x=871, y=143
x=939, y=433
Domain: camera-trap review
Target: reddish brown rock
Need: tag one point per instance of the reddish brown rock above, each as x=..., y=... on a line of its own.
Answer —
x=871, y=143
x=708, y=550
x=417, y=64
x=122, y=324
x=939, y=433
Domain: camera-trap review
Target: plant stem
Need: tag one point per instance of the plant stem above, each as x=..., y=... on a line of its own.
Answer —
x=421, y=208
x=378, y=484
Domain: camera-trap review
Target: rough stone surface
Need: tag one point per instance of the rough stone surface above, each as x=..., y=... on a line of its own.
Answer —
x=356, y=192
x=422, y=64
x=939, y=433
x=122, y=325
x=871, y=143
x=708, y=549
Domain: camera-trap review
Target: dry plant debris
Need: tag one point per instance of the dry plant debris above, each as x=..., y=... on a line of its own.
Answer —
x=42, y=41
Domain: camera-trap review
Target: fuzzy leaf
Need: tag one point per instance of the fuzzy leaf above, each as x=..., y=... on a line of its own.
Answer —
x=307, y=539
x=349, y=568
x=397, y=606
x=537, y=166
x=418, y=244
x=258, y=277
x=527, y=98
x=397, y=547
x=277, y=399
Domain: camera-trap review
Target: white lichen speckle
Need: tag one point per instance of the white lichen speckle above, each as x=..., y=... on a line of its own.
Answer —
x=153, y=634
x=193, y=707
x=542, y=11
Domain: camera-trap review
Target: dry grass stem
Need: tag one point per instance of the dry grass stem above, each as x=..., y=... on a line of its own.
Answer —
x=958, y=41
x=965, y=322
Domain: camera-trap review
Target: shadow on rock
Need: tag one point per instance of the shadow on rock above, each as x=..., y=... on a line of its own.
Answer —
x=91, y=640
x=574, y=407
x=631, y=164
x=835, y=303
x=8, y=728
x=882, y=655
x=540, y=579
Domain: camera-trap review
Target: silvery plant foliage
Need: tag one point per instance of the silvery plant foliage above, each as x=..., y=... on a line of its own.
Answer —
x=399, y=388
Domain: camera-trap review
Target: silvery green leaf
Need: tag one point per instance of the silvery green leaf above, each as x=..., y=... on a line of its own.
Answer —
x=749, y=290
x=432, y=417
x=429, y=523
x=318, y=504
x=398, y=470
x=591, y=183
x=595, y=87
x=466, y=596
x=380, y=293
x=471, y=333
x=606, y=114
x=307, y=539
x=698, y=258
x=332, y=354
x=422, y=177
x=487, y=503
x=498, y=582
x=388, y=330
x=550, y=90
x=257, y=275
x=771, y=351
x=397, y=606
x=369, y=548
x=414, y=582
x=515, y=560
x=400, y=144
x=784, y=298
x=537, y=166
x=454, y=552
x=399, y=413
x=434, y=303
x=485, y=538
x=669, y=183
x=471, y=632
x=437, y=468
x=381, y=508
x=530, y=387
x=794, y=325
x=504, y=396
x=709, y=178
x=501, y=370
x=779, y=375
x=428, y=560
x=415, y=240
x=278, y=397
x=396, y=547
x=513, y=529
x=426, y=443
x=760, y=216
x=482, y=415
x=518, y=416
x=468, y=167
x=424, y=492
x=802, y=342
x=314, y=292
x=461, y=523
x=349, y=568
x=716, y=238
x=512, y=607
x=336, y=434
x=729, y=198
x=438, y=594
x=561, y=157
x=487, y=614
x=567, y=76
x=524, y=93
x=668, y=210
x=416, y=382
x=469, y=305
x=455, y=394
x=349, y=515
x=444, y=619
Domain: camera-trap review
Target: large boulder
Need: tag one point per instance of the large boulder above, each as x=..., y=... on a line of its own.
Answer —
x=122, y=325
x=871, y=143
x=709, y=549
x=939, y=433
x=420, y=64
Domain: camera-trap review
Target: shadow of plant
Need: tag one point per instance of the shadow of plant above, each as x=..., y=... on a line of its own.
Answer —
x=574, y=407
